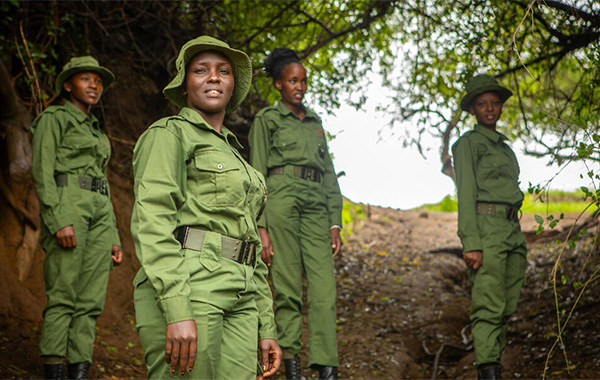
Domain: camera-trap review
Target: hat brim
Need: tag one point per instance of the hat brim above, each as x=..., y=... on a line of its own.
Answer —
x=107, y=77
x=503, y=93
x=242, y=74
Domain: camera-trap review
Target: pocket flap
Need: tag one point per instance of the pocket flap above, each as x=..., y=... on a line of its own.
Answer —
x=139, y=278
x=215, y=161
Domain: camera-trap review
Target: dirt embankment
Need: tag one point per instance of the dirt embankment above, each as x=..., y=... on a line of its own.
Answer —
x=403, y=307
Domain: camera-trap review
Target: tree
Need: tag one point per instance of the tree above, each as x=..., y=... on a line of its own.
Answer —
x=546, y=51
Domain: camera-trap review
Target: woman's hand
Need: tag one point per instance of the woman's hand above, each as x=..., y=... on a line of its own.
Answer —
x=474, y=259
x=116, y=255
x=270, y=357
x=267, y=246
x=66, y=237
x=336, y=240
x=181, y=346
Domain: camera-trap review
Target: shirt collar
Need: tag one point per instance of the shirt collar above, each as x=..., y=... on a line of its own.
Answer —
x=195, y=118
x=284, y=110
x=80, y=116
x=495, y=136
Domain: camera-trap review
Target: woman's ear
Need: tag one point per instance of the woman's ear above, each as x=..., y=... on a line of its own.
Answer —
x=68, y=86
x=183, y=90
x=278, y=84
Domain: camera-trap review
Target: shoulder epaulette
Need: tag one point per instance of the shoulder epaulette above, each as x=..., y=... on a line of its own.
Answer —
x=265, y=110
x=162, y=122
x=53, y=109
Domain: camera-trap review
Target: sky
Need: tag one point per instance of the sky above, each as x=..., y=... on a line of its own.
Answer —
x=383, y=173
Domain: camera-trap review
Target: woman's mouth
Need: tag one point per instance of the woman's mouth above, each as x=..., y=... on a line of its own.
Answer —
x=213, y=92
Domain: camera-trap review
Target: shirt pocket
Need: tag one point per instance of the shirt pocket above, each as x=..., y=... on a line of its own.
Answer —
x=287, y=143
x=218, y=179
x=494, y=166
x=77, y=152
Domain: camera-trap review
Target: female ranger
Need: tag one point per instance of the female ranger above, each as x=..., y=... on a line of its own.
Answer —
x=70, y=156
x=489, y=199
x=202, y=300
x=300, y=229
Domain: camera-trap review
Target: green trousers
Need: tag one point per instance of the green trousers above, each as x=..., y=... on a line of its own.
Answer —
x=298, y=224
x=496, y=285
x=227, y=326
x=76, y=278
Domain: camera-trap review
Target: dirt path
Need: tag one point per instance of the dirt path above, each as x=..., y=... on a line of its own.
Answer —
x=403, y=310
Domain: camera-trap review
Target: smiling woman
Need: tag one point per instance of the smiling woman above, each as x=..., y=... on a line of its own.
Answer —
x=209, y=85
x=70, y=154
x=201, y=296
x=303, y=216
x=489, y=199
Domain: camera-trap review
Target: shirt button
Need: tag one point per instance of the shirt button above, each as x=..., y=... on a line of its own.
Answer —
x=219, y=166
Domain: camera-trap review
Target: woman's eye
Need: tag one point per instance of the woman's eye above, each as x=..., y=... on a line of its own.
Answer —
x=224, y=71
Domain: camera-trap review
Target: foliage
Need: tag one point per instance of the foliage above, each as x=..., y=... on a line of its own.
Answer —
x=448, y=204
x=339, y=40
x=547, y=203
x=352, y=215
x=545, y=51
x=552, y=202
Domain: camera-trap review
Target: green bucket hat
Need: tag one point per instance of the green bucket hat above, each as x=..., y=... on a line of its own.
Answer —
x=81, y=64
x=242, y=71
x=480, y=84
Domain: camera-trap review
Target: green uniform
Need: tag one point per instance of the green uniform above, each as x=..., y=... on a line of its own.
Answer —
x=188, y=174
x=487, y=173
x=298, y=216
x=68, y=143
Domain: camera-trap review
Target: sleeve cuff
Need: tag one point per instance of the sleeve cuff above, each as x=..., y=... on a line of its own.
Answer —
x=262, y=222
x=267, y=332
x=116, y=239
x=336, y=226
x=472, y=244
x=176, y=309
x=55, y=223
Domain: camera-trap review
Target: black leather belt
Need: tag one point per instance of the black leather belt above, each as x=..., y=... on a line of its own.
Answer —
x=89, y=183
x=240, y=251
x=304, y=172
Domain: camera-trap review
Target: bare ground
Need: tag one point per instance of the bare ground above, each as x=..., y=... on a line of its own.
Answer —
x=403, y=307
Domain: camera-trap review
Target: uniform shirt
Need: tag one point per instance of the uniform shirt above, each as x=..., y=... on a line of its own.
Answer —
x=66, y=141
x=487, y=171
x=278, y=137
x=188, y=174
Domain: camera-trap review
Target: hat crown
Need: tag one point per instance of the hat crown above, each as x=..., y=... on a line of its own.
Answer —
x=186, y=54
x=480, y=84
x=85, y=61
x=479, y=81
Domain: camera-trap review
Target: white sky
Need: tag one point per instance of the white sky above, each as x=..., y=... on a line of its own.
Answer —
x=383, y=173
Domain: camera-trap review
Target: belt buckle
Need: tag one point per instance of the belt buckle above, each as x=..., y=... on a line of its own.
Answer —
x=102, y=188
x=94, y=186
x=246, y=253
x=512, y=213
x=309, y=173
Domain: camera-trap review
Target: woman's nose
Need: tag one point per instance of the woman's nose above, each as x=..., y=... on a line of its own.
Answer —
x=213, y=76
